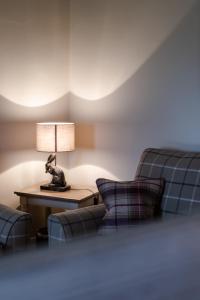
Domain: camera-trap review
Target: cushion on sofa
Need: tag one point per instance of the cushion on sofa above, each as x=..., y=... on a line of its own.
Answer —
x=181, y=171
x=127, y=202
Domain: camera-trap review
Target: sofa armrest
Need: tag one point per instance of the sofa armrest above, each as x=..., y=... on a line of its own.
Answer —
x=63, y=227
x=15, y=227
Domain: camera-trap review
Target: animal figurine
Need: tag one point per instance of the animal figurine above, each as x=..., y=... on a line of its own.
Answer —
x=58, y=182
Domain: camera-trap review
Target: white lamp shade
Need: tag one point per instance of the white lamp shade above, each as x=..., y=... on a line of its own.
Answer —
x=55, y=137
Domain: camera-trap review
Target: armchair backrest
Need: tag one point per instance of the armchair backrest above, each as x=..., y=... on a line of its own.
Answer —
x=181, y=171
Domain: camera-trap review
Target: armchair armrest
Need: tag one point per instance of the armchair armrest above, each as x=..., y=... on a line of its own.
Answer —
x=15, y=227
x=63, y=227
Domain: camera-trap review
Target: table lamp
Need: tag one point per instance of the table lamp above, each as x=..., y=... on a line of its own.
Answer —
x=55, y=137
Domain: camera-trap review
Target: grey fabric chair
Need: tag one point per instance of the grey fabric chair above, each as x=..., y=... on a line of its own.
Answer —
x=181, y=172
x=15, y=228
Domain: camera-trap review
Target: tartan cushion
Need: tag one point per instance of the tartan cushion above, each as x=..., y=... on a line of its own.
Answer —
x=130, y=200
x=181, y=171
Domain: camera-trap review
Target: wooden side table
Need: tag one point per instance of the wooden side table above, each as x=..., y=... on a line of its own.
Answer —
x=77, y=197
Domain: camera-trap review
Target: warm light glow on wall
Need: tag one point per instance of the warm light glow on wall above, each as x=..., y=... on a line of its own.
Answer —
x=34, y=51
x=87, y=174
x=18, y=177
x=35, y=95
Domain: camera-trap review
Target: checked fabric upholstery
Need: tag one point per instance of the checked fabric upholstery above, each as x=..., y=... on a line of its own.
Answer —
x=137, y=194
x=64, y=226
x=181, y=171
x=15, y=227
x=129, y=202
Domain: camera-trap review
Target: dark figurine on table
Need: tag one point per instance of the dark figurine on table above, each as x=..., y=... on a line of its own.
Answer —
x=58, y=182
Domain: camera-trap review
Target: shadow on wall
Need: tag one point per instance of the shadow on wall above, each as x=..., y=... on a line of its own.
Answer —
x=157, y=107
x=17, y=136
x=19, y=140
x=85, y=136
x=111, y=40
x=17, y=144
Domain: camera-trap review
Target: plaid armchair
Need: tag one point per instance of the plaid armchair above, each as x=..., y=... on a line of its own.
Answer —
x=181, y=172
x=15, y=228
x=63, y=227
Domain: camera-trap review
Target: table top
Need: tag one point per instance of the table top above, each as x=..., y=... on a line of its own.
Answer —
x=75, y=194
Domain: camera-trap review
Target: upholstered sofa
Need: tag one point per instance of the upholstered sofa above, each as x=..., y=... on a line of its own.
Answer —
x=181, y=173
x=15, y=228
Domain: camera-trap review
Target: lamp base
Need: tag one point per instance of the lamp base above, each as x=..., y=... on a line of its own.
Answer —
x=52, y=187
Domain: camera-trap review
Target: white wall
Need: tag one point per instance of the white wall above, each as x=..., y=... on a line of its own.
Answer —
x=134, y=81
x=126, y=71
x=34, y=86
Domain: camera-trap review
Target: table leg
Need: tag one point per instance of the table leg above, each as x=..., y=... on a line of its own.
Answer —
x=23, y=204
